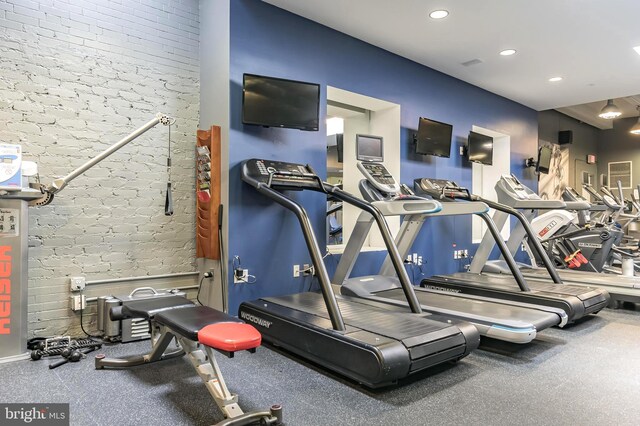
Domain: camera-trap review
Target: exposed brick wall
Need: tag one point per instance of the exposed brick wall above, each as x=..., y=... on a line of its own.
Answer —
x=75, y=77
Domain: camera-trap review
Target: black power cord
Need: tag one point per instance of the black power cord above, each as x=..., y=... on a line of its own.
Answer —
x=205, y=275
x=82, y=326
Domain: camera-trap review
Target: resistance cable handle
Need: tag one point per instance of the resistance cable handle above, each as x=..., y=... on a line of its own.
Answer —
x=168, y=202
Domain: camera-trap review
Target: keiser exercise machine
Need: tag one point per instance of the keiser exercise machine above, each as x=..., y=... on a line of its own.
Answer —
x=198, y=331
x=495, y=318
x=372, y=343
x=620, y=288
x=14, y=204
x=576, y=301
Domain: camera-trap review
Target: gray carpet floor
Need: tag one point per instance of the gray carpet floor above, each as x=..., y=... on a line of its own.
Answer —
x=586, y=374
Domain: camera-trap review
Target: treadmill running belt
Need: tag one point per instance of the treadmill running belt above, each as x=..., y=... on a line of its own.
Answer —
x=389, y=323
x=512, y=316
x=508, y=282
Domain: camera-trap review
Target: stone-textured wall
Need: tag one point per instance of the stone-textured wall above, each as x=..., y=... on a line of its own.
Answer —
x=76, y=77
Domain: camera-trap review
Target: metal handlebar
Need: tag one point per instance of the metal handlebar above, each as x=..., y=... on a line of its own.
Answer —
x=58, y=184
x=141, y=289
x=620, y=192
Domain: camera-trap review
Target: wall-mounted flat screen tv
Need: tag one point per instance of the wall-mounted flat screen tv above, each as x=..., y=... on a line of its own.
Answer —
x=544, y=159
x=276, y=102
x=434, y=138
x=480, y=148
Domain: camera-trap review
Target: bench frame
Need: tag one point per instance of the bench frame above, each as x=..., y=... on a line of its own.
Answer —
x=203, y=360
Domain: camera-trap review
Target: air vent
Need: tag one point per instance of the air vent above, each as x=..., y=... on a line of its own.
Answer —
x=620, y=171
x=472, y=62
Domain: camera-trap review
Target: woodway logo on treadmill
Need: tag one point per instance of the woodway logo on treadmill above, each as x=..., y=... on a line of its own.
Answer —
x=450, y=290
x=254, y=319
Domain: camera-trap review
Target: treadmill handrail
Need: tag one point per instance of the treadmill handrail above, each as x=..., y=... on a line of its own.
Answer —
x=590, y=189
x=337, y=322
x=535, y=242
x=389, y=242
x=513, y=267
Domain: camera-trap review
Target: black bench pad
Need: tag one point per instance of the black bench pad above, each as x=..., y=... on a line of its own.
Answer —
x=187, y=322
x=148, y=308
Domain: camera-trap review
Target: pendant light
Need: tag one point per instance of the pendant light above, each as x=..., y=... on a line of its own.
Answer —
x=610, y=111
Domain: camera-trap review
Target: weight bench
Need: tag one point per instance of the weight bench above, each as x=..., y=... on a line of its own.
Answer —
x=198, y=331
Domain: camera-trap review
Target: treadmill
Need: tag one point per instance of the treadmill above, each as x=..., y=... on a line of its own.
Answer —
x=500, y=319
x=372, y=343
x=576, y=301
x=621, y=288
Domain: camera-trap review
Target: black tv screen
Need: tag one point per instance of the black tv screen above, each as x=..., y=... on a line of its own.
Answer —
x=276, y=102
x=544, y=159
x=369, y=148
x=340, y=146
x=480, y=148
x=434, y=138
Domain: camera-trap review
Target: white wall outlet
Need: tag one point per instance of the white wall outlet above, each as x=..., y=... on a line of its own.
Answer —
x=77, y=283
x=78, y=302
x=419, y=260
x=241, y=276
x=296, y=271
x=308, y=269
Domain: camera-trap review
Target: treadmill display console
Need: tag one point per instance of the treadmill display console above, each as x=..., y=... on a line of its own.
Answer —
x=279, y=174
x=441, y=189
x=571, y=194
x=521, y=192
x=379, y=176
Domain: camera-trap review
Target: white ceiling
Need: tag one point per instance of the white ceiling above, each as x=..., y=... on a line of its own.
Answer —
x=587, y=42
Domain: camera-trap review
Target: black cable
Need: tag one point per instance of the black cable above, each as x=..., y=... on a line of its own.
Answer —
x=82, y=326
x=224, y=279
x=200, y=288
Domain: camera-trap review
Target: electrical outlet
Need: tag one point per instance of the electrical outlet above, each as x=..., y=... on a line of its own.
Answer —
x=296, y=271
x=240, y=276
x=465, y=253
x=455, y=254
x=308, y=270
x=77, y=283
x=419, y=260
x=415, y=258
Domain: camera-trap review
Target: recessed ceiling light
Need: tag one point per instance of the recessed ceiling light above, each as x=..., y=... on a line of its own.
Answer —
x=637, y=49
x=508, y=52
x=439, y=14
x=554, y=79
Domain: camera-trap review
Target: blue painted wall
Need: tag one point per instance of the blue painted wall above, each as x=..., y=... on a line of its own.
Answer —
x=269, y=41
